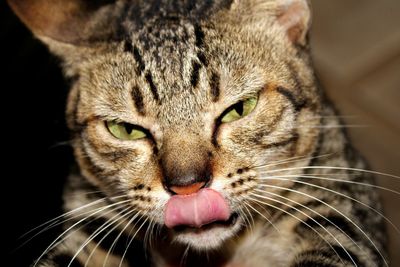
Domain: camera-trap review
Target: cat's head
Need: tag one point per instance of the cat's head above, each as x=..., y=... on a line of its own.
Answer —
x=182, y=107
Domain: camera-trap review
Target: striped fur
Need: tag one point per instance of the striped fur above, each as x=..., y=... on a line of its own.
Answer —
x=173, y=67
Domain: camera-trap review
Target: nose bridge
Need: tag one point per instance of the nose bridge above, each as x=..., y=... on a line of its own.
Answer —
x=184, y=160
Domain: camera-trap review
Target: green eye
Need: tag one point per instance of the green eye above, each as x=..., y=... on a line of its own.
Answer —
x=125, y=131
x=239, y=110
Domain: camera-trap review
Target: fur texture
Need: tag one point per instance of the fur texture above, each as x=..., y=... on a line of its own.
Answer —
x=172, y=68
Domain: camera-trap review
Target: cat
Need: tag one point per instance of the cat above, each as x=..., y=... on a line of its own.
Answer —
x=203, y=138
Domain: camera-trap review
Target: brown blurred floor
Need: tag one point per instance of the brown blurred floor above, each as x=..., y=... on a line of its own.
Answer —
x=357, y=54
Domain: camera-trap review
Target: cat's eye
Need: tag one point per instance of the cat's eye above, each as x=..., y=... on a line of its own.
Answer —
x=125, y=131
x=239, y=110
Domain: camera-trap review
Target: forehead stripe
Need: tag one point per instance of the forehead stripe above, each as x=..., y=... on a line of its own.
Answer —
x=214, y=86
x=153, y=88
x=138, y=100
x=194, y=77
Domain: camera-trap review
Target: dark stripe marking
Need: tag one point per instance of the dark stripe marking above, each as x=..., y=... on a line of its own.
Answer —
x=291, y=140
x=313, y=263
x=153, y=87
x=202, y=58
x=94, y=168
x=298, y=105
x=294, y=76
x=340, y=222
x=75, y=112
x=111, y=154
x=345, y=257
x=128, y=46
x=199, y=34
x=330, y=253
x=140, y=64
x=258, y=135
x=63, y=260
x=138, y=100
x=194, y=78
x=214, y=86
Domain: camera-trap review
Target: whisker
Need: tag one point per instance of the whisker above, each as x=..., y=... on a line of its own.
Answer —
x=334, y=192
x=146, y=239
x=262, y=215
x=339, y=126
x=119, y=235
x=86, y=193
x=333, y=208
x=307, y=176
x=291, y=160
x=98, y=231
x=184, y=256
x=121, y=219
x=335, y=168
x=245, y=218
x=300, y=220
x=59, y=217
x=51, y=246
x=71, y=232
x=315, y=212
x=59, y=222
x=60, y=144
x=130, y=242
x=252, y=225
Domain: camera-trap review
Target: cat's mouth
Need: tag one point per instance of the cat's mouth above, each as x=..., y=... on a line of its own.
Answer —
x=216, y=224
x=203, y=220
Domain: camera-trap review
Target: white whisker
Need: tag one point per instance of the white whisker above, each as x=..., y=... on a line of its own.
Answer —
x=262, y=215
x=333, y=168
x=336, y=210
x=119, y=235
x=335, y=192
x=130, y=242
x=51, y=246
x=121, y=219
x=300, y=220
x=98, y=231
x=315, y=212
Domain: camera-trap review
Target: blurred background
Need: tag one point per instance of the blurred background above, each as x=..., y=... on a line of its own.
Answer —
x=356, y=46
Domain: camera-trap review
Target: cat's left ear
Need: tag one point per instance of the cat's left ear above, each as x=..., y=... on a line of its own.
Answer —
x=75, y=22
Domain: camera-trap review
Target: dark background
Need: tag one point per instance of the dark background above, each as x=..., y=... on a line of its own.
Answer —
x=35, y=154
x=356, y=46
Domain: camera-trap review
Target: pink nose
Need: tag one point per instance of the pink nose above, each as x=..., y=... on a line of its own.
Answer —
x=187, y=190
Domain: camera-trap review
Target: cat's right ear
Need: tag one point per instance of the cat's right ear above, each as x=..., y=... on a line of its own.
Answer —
x=66, y=21
x=292, y=16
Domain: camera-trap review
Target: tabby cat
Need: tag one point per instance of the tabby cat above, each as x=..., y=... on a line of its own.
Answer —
x=202, y=139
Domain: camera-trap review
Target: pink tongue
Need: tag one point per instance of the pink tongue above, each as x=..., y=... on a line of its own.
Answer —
x=203, y=207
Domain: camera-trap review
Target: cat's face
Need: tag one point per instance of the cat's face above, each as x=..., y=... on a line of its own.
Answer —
x=178, y=106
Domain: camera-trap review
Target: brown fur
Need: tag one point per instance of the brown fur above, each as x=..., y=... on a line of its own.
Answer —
x=173, y=70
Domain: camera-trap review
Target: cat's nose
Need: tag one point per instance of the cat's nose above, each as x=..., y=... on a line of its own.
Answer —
x=186, y=184
x=187, y=190
x=185, y=164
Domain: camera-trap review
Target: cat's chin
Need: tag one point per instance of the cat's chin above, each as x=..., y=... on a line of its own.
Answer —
x=210, y=236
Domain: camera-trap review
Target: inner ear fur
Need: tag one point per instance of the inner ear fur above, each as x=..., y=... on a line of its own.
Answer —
x=295, y=17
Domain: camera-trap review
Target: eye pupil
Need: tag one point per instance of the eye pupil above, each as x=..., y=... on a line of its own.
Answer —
x=239, y=108
x=128, y=127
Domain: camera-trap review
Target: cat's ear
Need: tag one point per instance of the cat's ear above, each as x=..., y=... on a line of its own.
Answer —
x=294, y=16
x=66, y=21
